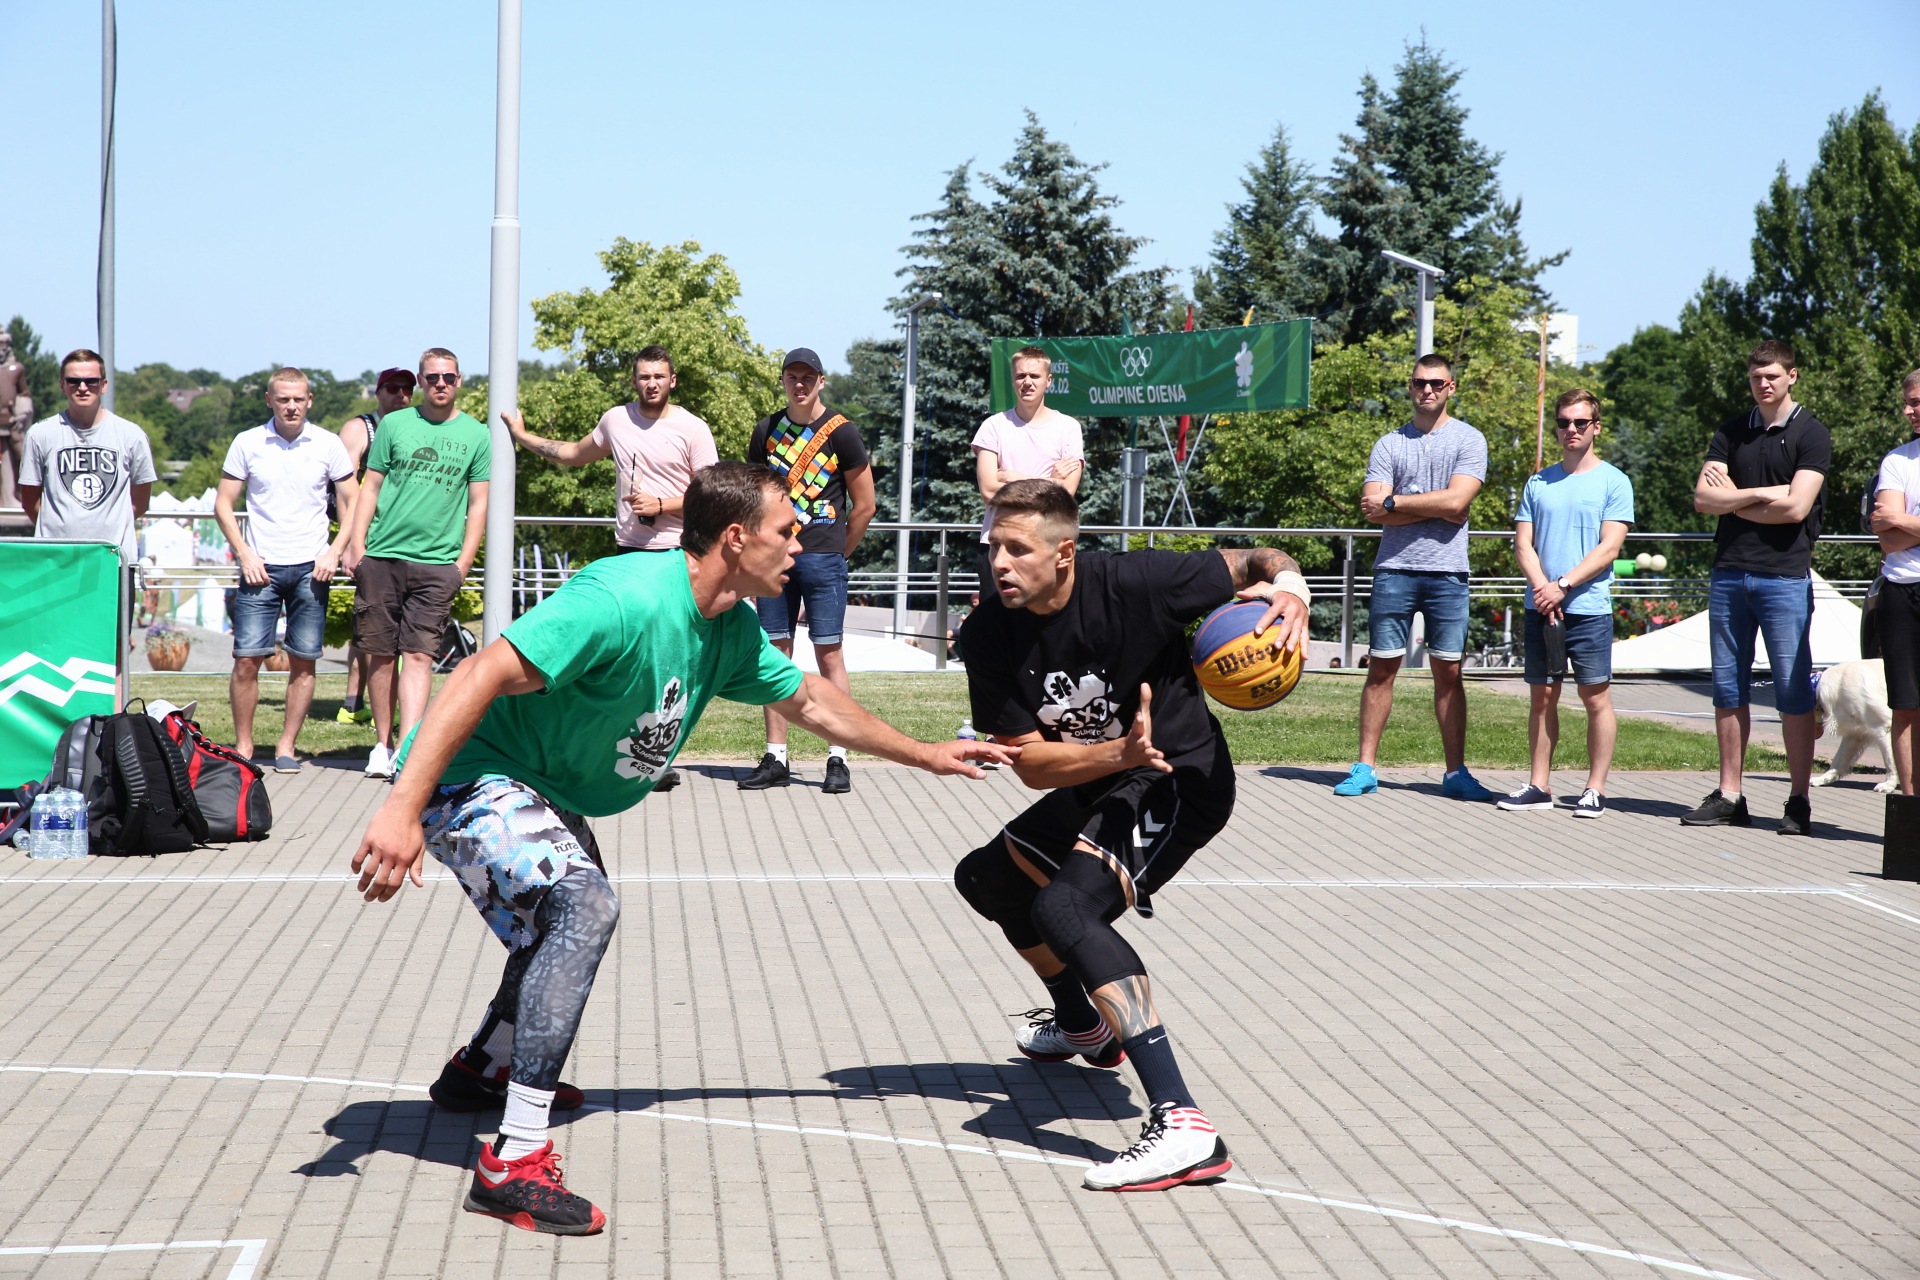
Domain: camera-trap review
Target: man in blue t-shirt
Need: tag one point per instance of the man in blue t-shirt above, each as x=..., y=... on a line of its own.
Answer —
x=1572, y=520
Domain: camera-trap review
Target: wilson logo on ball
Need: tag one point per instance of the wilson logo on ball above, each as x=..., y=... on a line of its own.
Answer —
x=1238, y=668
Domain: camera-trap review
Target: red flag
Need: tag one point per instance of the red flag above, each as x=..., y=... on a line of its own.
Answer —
x=1186, y=420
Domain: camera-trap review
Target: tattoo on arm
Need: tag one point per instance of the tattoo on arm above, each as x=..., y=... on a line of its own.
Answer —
x=1127, y=1005
x=545, y=447
x=1258, y=565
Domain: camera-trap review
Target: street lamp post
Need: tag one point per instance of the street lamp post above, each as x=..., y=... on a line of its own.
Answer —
x=109, y=38
x=503, y=328
x=903, y=545
x=1429, y=278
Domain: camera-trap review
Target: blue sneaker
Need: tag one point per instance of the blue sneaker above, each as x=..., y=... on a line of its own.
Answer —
x=1462, y=786
x=1360, y=781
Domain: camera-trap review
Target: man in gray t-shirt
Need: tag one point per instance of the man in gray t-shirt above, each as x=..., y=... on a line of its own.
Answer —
x=87, y=473
x=1420, y=482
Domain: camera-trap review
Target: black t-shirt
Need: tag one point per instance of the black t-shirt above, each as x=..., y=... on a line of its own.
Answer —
x=1075, y=675
x=816, y=476
x=1756, y=457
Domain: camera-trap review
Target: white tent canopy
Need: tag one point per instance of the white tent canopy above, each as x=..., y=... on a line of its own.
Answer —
x=1686, y=646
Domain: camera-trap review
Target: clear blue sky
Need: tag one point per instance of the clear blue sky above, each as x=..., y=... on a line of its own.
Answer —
x=315, y=184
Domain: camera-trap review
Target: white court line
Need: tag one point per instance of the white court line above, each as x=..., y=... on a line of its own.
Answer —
x=1869, y=902
x=242, y=1269
x=958, y=1148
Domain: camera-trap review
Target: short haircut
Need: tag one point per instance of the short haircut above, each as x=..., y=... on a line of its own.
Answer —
x=286, y=374
x=1056, y=510
x=1911, y=381
x=1579, y=395
x=726, y=493
x=1030, y=353
x=438, y=353
x=1434, y=360
x=654, y=354
x=1772, y=351
x=80, y=355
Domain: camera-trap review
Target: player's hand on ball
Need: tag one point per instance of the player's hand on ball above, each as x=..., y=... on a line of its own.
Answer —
x=390, y=851
x=1286, y=614
x=1136, y=749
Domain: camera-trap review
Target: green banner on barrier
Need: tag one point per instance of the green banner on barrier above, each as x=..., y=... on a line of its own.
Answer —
x=1258, y=366
x=59, y=646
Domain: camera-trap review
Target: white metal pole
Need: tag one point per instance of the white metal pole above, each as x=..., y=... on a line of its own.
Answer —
x=1424, y=339
x=503, y=327
x=104, y=282
x=903, y=541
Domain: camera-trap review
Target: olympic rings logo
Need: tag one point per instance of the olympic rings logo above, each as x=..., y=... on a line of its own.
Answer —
x=1134, y=360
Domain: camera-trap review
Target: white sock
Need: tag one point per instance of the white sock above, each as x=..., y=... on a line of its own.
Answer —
x=1731, y=797
x=837, y=753
x=778, y=750
x=524, y=1127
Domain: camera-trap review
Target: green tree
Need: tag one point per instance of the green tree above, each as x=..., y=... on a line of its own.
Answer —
x=1651, y=436
x=1260, y=258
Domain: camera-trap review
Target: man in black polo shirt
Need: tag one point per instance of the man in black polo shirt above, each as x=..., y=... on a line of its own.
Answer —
x=1763, y=477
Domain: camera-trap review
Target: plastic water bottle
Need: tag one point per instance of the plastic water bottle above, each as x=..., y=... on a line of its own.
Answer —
x=966, y=733
x=59, y=825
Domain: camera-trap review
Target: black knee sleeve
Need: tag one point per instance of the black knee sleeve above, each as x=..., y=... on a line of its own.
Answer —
x=1000, y=891
x=1078, y=926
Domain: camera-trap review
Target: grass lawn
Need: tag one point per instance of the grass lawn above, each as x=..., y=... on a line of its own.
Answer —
x=1318, y=724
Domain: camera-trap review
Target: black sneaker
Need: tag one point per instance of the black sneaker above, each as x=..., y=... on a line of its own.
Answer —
x=1527, y=797
x=1718, y=811
x=839, y=777
x=1799, y=818
x=768, y=773
x=668, y=781
x=527, y=1193
x=461, y=1088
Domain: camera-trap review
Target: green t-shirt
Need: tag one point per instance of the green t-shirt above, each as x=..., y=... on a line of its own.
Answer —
x=630, y=664
x=427, y=467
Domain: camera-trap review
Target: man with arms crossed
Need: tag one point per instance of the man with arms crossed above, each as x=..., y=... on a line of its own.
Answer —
x=824, y=462
x=1571, y=524
x=1764, y=477
x=576, y=712
x=287, y=468
x=1027, y=442
x=1896, y=519
x=656, y=446
x=1420, y=483
x=416, y=530
x=392, y=392
x=1080, y=660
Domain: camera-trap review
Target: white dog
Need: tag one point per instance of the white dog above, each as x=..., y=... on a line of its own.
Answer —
x=1852, y=697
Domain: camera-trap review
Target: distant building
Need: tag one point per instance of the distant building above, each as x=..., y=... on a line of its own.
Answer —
x=182, y=398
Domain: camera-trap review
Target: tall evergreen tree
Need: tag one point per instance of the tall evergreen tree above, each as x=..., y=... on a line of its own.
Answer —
x=1259, y=258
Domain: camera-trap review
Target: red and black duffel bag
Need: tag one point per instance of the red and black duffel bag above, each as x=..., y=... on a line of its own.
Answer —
x=232, y=792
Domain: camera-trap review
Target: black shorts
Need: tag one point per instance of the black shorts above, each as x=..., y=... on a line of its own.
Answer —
x=1145, y=823
x=1898, y=617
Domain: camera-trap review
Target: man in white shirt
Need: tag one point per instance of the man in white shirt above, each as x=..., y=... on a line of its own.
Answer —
x=1896, y=519
x=1027, y=442
x=286, y=468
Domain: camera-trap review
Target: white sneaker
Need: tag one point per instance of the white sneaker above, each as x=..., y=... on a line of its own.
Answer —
x=1043, y=1041
x=379, y=762
x=1177, y=1144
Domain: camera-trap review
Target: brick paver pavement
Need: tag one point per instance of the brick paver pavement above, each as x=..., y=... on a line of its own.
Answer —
x=1440, y=1040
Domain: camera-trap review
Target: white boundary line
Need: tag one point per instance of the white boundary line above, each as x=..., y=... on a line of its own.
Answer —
x=243, y=1266
x=854, y=1135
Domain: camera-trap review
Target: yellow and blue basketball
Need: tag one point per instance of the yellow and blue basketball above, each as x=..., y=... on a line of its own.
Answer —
x=1238, y=669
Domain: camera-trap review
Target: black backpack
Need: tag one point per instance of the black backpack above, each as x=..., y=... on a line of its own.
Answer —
x=134, y=782
x=456, y=645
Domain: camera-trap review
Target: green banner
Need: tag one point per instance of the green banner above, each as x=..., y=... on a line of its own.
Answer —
x=1257, y=366
x=59, y=646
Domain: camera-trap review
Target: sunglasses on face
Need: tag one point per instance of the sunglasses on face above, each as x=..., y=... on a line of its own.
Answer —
x=88, y=383
x=440, y=379
x=1574, y=424
x=1430, y=384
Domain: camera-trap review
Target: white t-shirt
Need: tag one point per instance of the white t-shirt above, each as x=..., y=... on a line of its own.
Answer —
x=656, y=456
x=1028, y=447
x=1900, y=471
x=86, y=476
x=287, y=483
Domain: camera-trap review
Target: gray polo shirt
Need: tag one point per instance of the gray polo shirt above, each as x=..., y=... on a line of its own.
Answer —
x=86, y=475
x=1416, y=461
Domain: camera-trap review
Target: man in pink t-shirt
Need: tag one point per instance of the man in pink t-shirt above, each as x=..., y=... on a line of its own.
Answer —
x=1027, y=442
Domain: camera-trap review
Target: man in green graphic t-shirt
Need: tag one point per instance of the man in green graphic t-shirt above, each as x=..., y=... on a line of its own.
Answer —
x=577, y=711
x=416, y=529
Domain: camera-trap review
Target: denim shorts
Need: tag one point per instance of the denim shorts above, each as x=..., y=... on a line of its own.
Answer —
x=1781, y=609
x=256, y=613
x=1589, y=648
x=820, y=579
x=1398, y=594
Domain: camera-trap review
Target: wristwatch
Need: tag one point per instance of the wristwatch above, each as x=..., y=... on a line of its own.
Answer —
x=1562, y=583
x=1388, y=504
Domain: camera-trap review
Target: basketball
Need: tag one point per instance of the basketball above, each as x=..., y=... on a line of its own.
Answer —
x=1237, y=670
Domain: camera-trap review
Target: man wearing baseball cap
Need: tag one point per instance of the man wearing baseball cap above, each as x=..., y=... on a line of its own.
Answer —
x=392, y=391
x=823, y=461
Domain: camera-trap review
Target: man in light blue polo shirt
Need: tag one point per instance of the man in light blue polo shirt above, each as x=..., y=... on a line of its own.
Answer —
x=1572, y=521
x=1420, y=481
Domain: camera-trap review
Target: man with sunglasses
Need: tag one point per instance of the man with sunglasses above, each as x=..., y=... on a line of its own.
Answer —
x=1420, y=482
x=87, y=473
x=416, y=530
x=1572, y=521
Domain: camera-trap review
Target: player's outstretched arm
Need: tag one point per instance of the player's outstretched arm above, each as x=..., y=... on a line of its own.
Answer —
x=1266, y=574
x=392, y=847
x=577, y=453
x=1045, y=766
x=818, y=707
